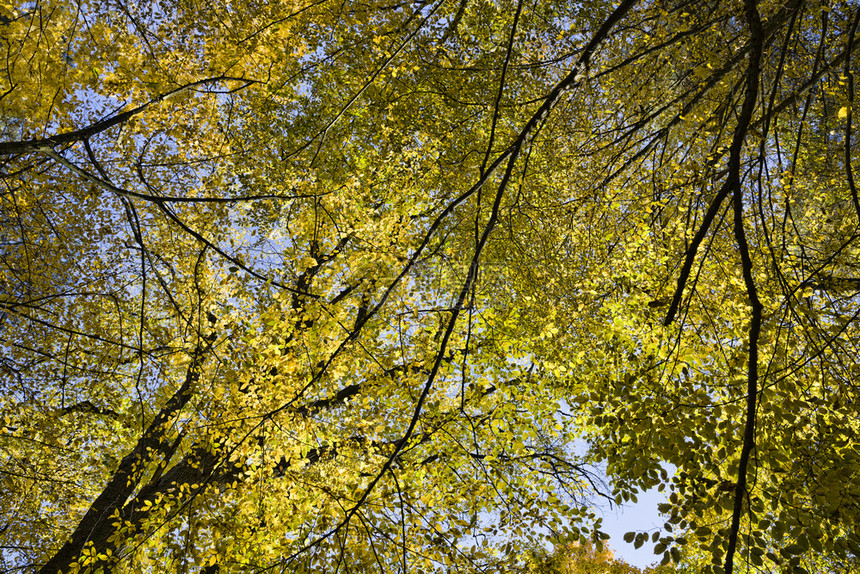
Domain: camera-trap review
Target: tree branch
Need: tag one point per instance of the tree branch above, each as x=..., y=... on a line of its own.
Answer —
x=753, y=74
x=125, y=480
x=37, y=145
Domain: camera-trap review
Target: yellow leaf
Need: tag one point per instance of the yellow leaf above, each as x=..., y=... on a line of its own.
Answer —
x=843, y=112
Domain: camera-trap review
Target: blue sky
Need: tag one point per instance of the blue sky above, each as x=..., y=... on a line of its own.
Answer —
x=641, y=516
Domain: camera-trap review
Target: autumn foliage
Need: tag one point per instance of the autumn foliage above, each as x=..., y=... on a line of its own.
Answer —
x=317, y=286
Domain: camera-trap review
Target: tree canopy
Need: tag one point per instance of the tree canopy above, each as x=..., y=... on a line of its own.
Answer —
x=387, y=286
x=576, y=558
